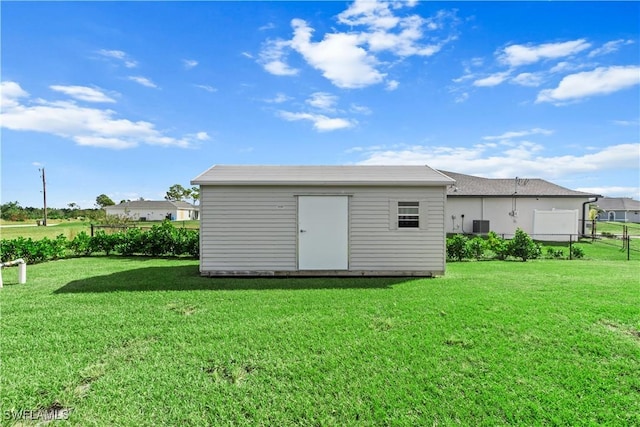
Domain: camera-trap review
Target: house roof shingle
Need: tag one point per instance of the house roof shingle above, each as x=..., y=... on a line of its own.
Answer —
x=618, y=204
x=321, y=175
x=473, y=186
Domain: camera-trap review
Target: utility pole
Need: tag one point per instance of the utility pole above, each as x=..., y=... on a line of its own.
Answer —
x=44, y=195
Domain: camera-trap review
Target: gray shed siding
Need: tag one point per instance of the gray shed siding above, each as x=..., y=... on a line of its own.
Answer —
x=254, y=229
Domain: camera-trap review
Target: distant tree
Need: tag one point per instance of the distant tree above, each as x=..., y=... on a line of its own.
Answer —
x=177, y=193
x=593, y=216
x=195, y=194
x=12, y=211
x=103, y=200
x=73, y=205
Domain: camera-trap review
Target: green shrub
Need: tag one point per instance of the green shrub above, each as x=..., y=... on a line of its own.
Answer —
x=103, y=242
x=576, y=252
x=476, y=247
x=522, y=246
x=186, y=242
x=457, y=247
x=130, y=242
x=81, y=245
x=161, y=240
x=555, y=253
x=34, y=251
x=497, y=245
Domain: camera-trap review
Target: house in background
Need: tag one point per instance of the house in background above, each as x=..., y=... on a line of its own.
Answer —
x=322, y=220
x=544, y=210
x=622, y=209
x=155, y=210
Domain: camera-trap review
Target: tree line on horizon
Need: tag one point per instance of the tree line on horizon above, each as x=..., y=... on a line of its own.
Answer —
x=13, y=211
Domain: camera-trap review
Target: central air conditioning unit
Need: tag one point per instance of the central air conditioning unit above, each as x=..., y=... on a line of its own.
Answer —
x=480, y=226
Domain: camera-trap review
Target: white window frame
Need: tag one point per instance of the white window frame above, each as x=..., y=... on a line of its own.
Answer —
x=394, y=214
x=409, y=214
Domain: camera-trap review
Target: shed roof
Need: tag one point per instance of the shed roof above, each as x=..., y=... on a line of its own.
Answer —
x=474, y=186
x=322, y=175
x=154, y=204
x=618, y=204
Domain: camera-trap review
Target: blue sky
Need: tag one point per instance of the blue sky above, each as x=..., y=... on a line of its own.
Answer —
x=129, y=98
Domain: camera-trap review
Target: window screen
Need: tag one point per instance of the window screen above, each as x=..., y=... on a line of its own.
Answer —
x=408, y=214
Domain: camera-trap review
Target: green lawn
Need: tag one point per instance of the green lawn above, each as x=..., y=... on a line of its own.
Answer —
x=617, y=227
x=148, y=342
x=600, y=249
x=68, y=229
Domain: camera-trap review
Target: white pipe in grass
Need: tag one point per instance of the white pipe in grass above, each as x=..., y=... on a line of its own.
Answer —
x=22, y=270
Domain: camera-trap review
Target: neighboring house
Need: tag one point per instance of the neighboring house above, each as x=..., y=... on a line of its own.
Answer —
x=544, y=210
x=154, y=210
x=622, y=209
x=322, y=220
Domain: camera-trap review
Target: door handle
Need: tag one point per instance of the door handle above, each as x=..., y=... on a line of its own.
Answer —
x=303, y=231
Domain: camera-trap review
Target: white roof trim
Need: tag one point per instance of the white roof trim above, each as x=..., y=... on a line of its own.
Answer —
x=322, y=176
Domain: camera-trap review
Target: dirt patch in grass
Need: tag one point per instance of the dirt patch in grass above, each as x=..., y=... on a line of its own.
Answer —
x=621, y=330
x=182, y=308
x=232, y=372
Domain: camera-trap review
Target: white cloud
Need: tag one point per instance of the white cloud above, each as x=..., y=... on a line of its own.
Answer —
x=392, y=85
x=635, y=122
x=83, y=125
x=525, y=159
x=381, y=21
x=142, y=81
x=518, y=134
x=404, y=43
x=207, y=88
x=371, y=13
x=528, y=79
x=360, y=109
x=461, y=97
x=278, y=99
x=492, y=80
x=120, y=56
x=601, y=81
x=338, y=56
x=189, y=63
x=268, y=26
x=273, y=56
x=83, y=93
x=246, y=55
x=200, y=136
x=10, y=94
x=517, y=55
x=349, y=59
x=321, y=123
x=609, y=47
x=322, y=101
x=562, y=66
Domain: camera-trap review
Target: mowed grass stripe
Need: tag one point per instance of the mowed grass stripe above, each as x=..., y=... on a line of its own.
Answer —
x=140, y=341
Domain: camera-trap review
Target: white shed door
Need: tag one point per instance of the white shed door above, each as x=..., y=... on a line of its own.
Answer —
x=323, y=232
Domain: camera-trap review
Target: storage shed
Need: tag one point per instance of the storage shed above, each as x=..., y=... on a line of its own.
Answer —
x=322, y=220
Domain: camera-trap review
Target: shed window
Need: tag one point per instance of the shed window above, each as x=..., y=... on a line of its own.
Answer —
x=408, y=214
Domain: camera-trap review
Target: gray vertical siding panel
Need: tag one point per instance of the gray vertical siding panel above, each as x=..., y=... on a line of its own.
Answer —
x=255, y=228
